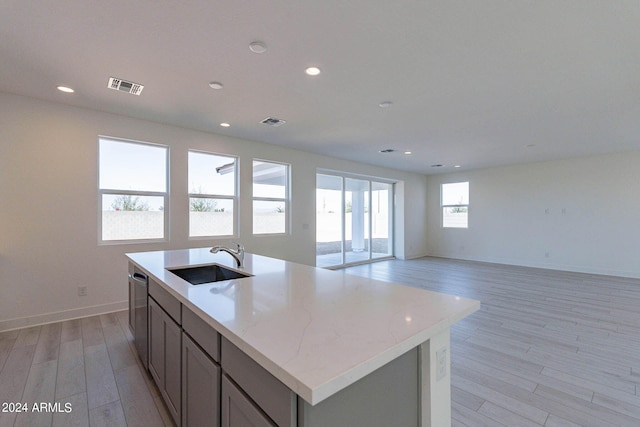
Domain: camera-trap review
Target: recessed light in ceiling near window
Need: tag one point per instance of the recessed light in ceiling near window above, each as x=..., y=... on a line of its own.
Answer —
x=216, y=85
x=312, y=71
x=65, y=89
x=385, y=104
x=257, y=47
x=225, y=125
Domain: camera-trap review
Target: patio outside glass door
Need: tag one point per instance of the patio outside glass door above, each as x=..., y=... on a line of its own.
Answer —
x=354, y=220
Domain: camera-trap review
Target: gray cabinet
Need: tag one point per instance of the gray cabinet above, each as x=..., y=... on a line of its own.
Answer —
x=200, y=386
x=165, y=350
x=238, y=410
x=266, y=392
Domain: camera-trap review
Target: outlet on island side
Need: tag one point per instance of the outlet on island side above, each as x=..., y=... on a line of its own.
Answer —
x=82, y=291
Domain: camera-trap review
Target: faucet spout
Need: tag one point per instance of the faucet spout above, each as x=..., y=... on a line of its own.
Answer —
x=237, y=254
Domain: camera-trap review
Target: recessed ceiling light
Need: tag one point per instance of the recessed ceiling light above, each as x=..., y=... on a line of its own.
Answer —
x=385, y=104
x=216, y=85
x=407, y=152
x=457, y=166
x=257, y=47
x=225, y=125
x=312, y=71
x=65, y=89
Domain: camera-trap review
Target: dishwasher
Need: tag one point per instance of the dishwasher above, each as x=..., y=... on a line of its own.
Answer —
x=139, y=281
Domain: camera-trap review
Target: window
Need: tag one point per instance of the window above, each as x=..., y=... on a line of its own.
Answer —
x=455, y=205
x=133, y=190
x=212, y=194
x=270, y=197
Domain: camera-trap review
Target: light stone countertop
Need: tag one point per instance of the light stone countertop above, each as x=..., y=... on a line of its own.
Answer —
x=316, y=330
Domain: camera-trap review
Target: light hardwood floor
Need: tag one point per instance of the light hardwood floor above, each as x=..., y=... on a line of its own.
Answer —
x=547, y=348
x=88, y=363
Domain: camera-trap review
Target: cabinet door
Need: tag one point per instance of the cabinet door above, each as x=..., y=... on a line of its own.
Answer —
x=238, y=410
x=156, y=343
x=172, y=391
x=165, y=352
x=200, y=387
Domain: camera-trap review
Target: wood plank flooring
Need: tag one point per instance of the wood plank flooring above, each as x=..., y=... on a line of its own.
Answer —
x=547, y=348
x=87, y=366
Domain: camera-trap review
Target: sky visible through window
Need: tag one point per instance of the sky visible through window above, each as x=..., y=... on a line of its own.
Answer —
x=455, y=194
x=211, y=174
x=132, y=167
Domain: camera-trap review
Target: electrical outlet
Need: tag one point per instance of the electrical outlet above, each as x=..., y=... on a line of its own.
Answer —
x=441, y=364
x=82, y=291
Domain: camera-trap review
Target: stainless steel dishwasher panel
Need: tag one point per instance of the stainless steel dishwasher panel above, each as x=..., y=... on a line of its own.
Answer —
x=140, y=283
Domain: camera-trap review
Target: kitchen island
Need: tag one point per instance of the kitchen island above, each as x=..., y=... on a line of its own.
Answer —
x=348, y=349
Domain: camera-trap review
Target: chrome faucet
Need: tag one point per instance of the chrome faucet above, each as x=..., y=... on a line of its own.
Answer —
x=237, y=254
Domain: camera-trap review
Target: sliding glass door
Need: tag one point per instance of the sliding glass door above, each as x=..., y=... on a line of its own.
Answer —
x=354, y=218
x=329, y=224
x=381, y=219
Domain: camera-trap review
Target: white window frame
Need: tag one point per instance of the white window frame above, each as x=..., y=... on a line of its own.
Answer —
x=234, y=198
x=165, y=195
x=286, y=200
x=447, y=206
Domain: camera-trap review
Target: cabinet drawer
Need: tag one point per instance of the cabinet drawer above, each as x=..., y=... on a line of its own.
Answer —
x=271, y=395
x=202, y=333
x=168, y=302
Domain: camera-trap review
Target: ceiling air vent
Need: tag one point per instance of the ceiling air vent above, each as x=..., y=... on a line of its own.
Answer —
x=124, y=86
x=272, y=121
x=387, y=150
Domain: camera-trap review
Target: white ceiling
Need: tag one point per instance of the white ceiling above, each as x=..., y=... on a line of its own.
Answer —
x=473, y=83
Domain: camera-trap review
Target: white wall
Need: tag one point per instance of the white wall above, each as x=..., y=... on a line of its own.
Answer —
x=581, y=212
x=49, y=219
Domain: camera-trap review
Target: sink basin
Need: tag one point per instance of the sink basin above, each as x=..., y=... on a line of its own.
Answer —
x=207, y=274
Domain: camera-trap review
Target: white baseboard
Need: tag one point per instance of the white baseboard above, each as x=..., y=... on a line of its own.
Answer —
x=414, y=256
x=41, y=319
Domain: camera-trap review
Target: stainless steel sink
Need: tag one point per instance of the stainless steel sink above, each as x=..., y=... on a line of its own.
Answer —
x=207, y=274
